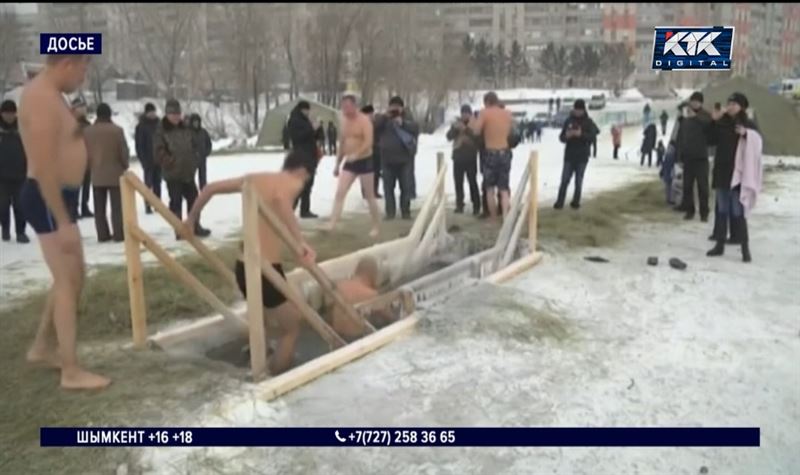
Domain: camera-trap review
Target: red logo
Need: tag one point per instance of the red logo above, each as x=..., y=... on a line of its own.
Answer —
x=667, y=35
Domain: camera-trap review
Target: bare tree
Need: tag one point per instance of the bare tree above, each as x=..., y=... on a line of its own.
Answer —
x=163, y=33
x=9, y=32
x=369, y=44
x=329, y=33
x=286, y=19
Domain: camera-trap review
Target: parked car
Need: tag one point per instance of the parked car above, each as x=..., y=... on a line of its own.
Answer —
x=541, y=119
x=597, y=102
x=560, y=117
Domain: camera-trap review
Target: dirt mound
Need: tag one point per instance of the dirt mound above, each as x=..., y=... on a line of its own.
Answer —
x=775, y=116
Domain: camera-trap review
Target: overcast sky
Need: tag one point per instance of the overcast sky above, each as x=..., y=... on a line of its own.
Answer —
x=24, y=8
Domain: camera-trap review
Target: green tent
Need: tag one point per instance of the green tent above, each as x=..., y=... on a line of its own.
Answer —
x=272, y=127
x=776, y=116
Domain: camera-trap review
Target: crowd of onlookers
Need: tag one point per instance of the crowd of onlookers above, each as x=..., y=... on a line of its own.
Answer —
x=173, y=149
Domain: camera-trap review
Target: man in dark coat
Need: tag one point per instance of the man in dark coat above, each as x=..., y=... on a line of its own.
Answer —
x=693, y=153
x=287, y=143
x=145, y=130
x=578, y=134
x=369, y=111
x=664, y=119
x=465, y=160
x=648, y=144
x=13, y=170
x=79, y=111
x=202, y=145
x=175, y=153
x=304, y=141
x=108, y=159
x=397, y=136
x=726, y=131
x=332, y=137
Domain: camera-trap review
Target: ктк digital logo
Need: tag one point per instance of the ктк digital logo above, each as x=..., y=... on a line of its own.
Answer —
x=696, y=48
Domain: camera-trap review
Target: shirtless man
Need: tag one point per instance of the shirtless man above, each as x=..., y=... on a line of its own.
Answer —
x=57, y=160
x=494, y=124
x=361, y=287
x=279, y=191
x=355, y=149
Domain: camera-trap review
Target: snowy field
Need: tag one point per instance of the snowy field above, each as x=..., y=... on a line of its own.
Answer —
x=22, y=269
x=618, y=344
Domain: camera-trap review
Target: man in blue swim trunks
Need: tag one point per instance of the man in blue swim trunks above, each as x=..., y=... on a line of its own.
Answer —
x=57, y=160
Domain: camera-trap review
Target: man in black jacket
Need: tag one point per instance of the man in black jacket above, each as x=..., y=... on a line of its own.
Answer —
x=397, y=134
x=79, y=111
x=578, y=134
x=202, y=145
x=145, y=130
x=726, y=131
x=332, y=137
x=693, y=153
x=465, y=160
x=304, y=141
x=13, y=169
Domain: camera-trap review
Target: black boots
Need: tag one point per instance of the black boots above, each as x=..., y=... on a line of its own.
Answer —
x=739, y=230
x=741, y=226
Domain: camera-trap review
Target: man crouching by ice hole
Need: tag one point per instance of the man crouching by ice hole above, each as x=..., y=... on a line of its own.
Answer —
x=279, y=191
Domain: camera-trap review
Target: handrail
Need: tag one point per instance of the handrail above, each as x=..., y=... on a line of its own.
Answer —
x=178, y=226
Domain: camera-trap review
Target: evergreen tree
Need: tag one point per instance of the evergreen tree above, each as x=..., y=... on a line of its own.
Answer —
x=517, y=64
x=548, y=60
x=561, y=62
x=484, y=60
x=501, y=65
x=575, y=62
x=591, y=62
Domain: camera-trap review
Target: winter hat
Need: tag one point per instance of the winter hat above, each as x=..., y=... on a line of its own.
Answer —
x=103, y=111
x=396, y=101
x=740, y=99
x=303, y=105
x=367, y=109
x=8, y=106
x=466, y=109
x=580, y=104
x=149, y=107
x=172, y=107
x=696, y=96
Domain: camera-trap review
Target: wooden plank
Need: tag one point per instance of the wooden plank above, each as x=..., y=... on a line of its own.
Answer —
x=317, y=367
x=422, y=218
x=425, y=244
x=252, y=272
x=325, y=283
x=516, y=268
x=510, y=219
x=533, y=209
x=512, y=242
x=379, y=302
x=177, y=225
x=308, y=313
x=133, y=260
x=201, y=328
x=187, y=278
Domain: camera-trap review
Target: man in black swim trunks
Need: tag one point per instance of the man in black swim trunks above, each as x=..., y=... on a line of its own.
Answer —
x=279, y=191
x=355, y=150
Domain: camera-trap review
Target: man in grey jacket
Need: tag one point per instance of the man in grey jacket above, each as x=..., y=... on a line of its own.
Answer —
x=397, y=136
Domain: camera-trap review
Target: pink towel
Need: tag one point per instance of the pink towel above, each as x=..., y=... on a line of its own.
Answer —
x=747, y=169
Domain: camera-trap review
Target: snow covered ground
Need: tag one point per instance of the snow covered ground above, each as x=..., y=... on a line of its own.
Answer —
x=569, y=344
x=21, y=267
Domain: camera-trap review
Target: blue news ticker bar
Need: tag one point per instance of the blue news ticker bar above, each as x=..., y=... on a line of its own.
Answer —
x=401, y=437
x=70, y=43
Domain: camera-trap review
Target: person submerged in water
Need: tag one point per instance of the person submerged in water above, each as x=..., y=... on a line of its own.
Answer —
x=361, y=287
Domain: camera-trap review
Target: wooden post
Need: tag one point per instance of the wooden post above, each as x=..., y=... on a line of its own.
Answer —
x=176, y=223
x=325, y=283
x=252, y=272
x=422, y=218
x=134, y=263
x=441, y=165
x=188, y=278
x=533, y=209
x=508, y=253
